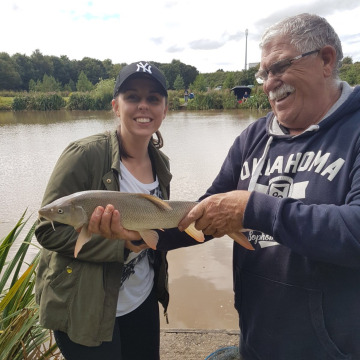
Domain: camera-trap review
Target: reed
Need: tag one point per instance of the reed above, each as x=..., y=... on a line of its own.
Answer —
x=21, y=336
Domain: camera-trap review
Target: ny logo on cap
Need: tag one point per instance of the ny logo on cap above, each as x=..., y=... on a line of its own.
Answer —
x=144, y=68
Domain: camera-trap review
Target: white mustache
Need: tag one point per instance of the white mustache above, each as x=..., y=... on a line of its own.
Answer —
x=281, y=92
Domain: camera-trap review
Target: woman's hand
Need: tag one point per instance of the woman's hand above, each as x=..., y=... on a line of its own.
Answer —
x=107, y=223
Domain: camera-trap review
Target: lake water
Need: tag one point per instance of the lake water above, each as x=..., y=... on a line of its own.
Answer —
x=197, y=142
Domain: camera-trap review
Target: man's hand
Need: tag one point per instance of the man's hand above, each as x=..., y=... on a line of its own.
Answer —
x=107, y=222
x=218, y=214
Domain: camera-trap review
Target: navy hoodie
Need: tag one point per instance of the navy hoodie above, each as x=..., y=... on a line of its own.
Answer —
x=298, y=293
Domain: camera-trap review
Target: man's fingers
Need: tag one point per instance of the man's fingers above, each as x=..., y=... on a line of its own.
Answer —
x=193, y=215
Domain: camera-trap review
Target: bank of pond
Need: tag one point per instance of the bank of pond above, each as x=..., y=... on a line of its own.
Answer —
x=208, y=100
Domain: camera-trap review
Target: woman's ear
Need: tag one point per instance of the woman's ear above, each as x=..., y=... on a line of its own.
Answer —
x=115, y=107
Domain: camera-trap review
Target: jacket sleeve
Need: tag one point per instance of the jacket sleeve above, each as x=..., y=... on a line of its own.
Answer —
x=73, y=172
x=171, y=239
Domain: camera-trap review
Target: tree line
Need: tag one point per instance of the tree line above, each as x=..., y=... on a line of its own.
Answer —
x=20, y=72
x=39, y=72
x=43, y=73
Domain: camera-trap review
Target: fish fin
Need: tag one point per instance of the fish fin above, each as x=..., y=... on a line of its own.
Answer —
x=198, y=235
x=161, y=204
x=151, y=238
x=83, y=238
x=241, y=239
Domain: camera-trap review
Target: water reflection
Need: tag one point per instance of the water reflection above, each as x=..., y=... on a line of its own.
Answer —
x=196, y=143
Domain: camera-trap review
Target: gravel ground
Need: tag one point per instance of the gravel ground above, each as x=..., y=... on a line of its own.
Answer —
x=179, y=344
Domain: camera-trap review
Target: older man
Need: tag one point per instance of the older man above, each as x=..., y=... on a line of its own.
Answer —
x=293, y=179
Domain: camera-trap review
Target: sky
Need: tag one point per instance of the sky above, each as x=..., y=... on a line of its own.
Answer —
x=208, y=35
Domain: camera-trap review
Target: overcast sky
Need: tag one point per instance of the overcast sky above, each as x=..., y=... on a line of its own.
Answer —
x=209, y=35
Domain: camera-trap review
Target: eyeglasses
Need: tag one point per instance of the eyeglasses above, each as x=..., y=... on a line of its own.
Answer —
x=279, y=67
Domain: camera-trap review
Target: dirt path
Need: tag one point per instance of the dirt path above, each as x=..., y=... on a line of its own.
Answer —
x=180, y=344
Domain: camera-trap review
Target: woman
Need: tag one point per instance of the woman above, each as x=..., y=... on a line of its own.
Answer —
x=104, y=303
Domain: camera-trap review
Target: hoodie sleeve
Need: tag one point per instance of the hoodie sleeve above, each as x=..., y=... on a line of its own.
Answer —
x=323, y=232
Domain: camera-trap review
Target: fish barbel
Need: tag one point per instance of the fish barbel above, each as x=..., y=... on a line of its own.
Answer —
x=139, y=212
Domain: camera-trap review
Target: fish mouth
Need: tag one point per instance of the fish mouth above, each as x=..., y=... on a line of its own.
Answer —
x=41, y=215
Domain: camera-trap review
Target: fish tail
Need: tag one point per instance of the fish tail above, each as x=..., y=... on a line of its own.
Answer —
x=150, y=237
x=242, y=240
x=196, y=234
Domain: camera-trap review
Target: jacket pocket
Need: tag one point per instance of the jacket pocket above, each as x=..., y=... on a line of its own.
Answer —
x=282, y=321
x=67, y=277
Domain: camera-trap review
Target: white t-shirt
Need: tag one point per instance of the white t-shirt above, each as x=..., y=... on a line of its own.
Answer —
x=138, y=274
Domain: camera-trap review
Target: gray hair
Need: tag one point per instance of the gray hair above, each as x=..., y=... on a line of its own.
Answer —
x=306, y=32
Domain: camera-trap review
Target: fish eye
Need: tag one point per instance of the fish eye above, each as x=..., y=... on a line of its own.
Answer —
x=60, y=211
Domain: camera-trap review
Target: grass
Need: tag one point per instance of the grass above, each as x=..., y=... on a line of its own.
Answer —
x=21, y=336
x=6, y=103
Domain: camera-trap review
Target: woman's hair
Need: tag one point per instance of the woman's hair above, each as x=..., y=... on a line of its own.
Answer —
x=306, y=32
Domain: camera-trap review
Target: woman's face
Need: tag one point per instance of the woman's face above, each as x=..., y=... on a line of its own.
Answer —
x=140, y=107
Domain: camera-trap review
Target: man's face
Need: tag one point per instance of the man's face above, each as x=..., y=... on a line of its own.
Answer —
x=297, y=94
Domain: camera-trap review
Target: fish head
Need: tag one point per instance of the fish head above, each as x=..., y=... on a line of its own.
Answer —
x=65, y=212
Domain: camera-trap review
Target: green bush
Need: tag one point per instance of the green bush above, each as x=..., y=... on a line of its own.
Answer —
x=174, y=100
x=85, y=101
x=98, y=99
x=38, y=101
x=213, y=99
x=21, y=102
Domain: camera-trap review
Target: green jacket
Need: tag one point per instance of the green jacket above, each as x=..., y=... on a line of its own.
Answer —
x=79, y=296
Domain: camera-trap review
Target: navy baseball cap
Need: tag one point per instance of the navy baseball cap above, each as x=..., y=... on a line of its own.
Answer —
x=141, y=68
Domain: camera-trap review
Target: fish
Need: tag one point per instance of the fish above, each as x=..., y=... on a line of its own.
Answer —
x=139, y=212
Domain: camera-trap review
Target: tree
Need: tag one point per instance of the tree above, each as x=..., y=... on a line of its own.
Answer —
x=32, y=85
x=49, y=84
x=347, y=60
x=171, y=71
x=42, y=65
x=229, y=82
x=93, y=69
x=25, y=69
x=179, y=83
x=70, y=86
x=199, y=83
x=9, y=77
x=350, y=73
x=83, y=83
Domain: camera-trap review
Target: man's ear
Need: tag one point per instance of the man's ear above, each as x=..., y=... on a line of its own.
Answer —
x=328, y=56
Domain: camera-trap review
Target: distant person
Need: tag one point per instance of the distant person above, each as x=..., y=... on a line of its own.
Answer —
x=103, y=305
x=245, y=97
x=291, y=182
x=191, y=95
x=186, y=95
